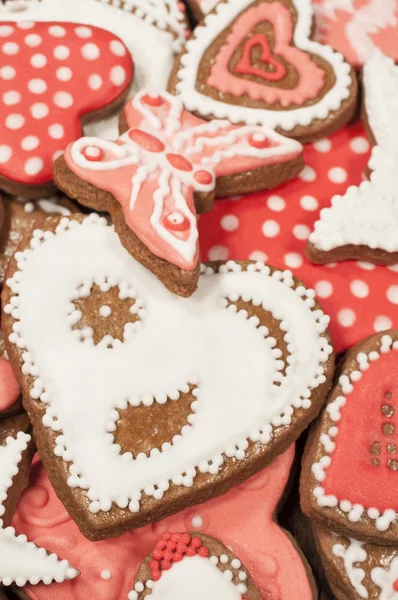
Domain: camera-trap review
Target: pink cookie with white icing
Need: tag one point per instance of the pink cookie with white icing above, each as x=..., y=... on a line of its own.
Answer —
x=350, y=470
x=254, y=62
x=166, y=165
x=53, y=77
x=242, y=518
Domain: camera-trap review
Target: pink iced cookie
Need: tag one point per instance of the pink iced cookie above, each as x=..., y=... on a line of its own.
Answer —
x=243, y=519
x=9, y=386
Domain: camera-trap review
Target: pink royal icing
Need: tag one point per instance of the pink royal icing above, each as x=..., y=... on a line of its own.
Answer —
x=52, y=75
x=166, y=156
x=9, y=387
x=242, y=519
x=311, y=78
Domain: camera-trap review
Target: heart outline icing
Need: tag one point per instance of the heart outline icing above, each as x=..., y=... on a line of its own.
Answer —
x=91, y=251
x=355, y=505
x=245, y=66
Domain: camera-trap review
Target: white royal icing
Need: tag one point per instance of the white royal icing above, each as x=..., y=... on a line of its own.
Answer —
x=22, y=561
x=143, y=32
x=213, y=25
x=385, y=580
x=368, y=214
x=196, y=578
x=353, y=554
x=199, y=340
x=382, y=521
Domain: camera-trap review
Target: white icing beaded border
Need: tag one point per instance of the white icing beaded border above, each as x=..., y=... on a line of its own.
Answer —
x=213, y=25
x=235, y=564
x=347, y=382
x=213, y=465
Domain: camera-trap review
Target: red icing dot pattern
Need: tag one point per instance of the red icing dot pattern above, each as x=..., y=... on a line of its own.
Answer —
x=360, y=298
x=51, y=75
x=172, y=548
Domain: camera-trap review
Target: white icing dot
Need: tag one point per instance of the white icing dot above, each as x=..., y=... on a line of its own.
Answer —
x=359, y=288
x=30, y=142
x=61, y=52
x=38, y=61
x=33, y=166
x=308, y=174
x=94, y=81
x=117, y=48
x=64, y=73
x=57, y=154
x=324, y=145
x=12, y=97
x=229, y=223
x=56, y=131
x=6, y=30
x=346, y=317
x=105, y=311
x=294, y=260
x=393, y=268
x=258, y=255
x=197, y=522
x=218, y=253
x=270, y=228
x=83, y=32
x=25, y=25
x=37, y=86
x=276, y=203
x=10, y=48
x=359, y=145
x=367, y=266
x=323, y=289
x=90, y=51
x=381, y=323
x=7, y=72
x=5, y=154
x=301, y=232
x=309, y=203
x=392, y=294
x=15, y=121
x=32, y=40
x=63, y=99
x=106, y=574
x=57, y=31
x=337, y=175
x=39, y=110
x=117, y=75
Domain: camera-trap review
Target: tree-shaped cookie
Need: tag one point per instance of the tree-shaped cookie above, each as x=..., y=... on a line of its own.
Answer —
x=165, y=165
x=254, y=62
x=363, y=224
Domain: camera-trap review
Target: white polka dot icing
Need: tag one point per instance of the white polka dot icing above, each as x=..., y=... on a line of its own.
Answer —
x=121, y=482
x=48, y=68
x=22, y=561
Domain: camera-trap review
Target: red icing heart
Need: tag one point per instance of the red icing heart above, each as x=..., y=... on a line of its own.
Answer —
x=246, y=67
x=52, y=75
x=351, y=474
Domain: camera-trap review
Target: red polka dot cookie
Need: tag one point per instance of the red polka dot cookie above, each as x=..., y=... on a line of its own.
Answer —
x=53, y=77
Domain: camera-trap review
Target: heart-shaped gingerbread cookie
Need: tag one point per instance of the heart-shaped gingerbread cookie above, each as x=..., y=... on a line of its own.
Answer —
x=254, y=62
x=350, y=476
x=144, y=403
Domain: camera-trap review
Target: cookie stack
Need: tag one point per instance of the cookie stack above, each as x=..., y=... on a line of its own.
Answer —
x=164, y=395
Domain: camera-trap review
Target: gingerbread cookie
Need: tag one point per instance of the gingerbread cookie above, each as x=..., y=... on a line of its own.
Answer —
x=53, y=77
x=21, y=561
x=363, y=224
x=10, y=391
x=254, y=62
x=349, y=478
x=358, y=570
x=243, y=518
x=21, y=217
x=182, y=565
x=357, y=28
x=152, y=30
x=153, y=419
x=166, y=164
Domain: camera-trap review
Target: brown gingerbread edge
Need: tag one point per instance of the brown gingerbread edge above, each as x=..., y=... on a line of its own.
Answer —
x=318, y=129
x=117, y=521
x=376, y=256
x=177, y=280
x=335, y=518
